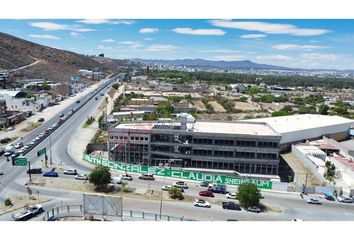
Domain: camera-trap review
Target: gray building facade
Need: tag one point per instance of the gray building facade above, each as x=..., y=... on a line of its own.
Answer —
x=243, y=147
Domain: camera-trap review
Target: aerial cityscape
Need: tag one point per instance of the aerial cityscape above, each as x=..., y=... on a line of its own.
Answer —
x=176, y=120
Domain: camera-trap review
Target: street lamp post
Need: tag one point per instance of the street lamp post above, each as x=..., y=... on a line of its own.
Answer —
x=164, y=178
x=50, y=150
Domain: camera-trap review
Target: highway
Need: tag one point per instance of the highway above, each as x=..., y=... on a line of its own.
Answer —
x=15, y=176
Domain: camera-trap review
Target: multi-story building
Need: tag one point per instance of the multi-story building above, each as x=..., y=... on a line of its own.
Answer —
x=240, y=146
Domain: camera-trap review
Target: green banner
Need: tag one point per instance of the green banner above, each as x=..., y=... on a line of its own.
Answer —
x=41, y=152
x=20, y=162
x=195, y=176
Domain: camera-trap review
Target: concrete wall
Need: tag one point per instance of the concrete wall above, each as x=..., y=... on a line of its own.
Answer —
x=308, y=163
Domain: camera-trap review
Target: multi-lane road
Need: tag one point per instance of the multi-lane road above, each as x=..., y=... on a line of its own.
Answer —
x=14, y=177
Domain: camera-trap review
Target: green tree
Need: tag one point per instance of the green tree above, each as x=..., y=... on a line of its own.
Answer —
x=248, y=194
x=100, y=176
x=323, y=109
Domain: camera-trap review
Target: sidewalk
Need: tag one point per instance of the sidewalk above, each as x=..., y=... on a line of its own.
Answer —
x=47, y=113
x=77, y=144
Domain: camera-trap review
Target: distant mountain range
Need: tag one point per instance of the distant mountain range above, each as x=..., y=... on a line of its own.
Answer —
x=202, y=63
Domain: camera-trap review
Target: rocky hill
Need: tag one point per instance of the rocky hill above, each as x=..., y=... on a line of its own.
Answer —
x=37, y=61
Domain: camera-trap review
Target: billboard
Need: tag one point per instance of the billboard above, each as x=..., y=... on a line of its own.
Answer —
x=180, y=174
x=102, y=205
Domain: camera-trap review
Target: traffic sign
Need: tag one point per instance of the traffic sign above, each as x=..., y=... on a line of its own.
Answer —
x=20, y=162
x=41, y=152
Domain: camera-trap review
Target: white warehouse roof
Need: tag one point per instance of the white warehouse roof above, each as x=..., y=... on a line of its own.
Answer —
x=306, y=126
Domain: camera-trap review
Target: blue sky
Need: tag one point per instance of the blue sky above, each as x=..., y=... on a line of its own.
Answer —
x=293, y=43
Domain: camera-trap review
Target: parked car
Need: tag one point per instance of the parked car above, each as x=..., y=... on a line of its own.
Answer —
x=1, y=172
x=96, y=98
x=61, y=115
x=231, y=195
x=81, y=176
x=297, y=220
x=313, y=201
x=231, y=205
x=254, y=209
x=218, y=188
x=345, y=199
x=7, y=154
x=127, y=177
x=204, y=184
x=146, y=176
x=10, y=128
x=330, y=197
x=35, y=171
x=117, y=180
x=206, y=193
x=41, y=120
x=78, y=101
x=180, y=184
x=166, y=187
x=19, y=145
x=70, y=172
x=201, y=203
x=50, y=174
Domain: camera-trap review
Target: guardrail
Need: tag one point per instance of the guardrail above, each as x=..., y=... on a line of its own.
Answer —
x=128, y=215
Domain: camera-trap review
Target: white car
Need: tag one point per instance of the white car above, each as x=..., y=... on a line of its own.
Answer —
x=344, y=199
x=201, y=203
x=297, y=220
x=81, y=176
x=314, y=201
x=126, y=177
x=19, y=145
x=117, y=180
x=231, y=195
x=70, y=172
x=166, y=187
x=22, y=150
x=180, y=184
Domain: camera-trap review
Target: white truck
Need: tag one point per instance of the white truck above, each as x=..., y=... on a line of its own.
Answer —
x=9, y=150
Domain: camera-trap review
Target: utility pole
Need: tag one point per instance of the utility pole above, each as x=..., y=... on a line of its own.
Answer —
x=125, y=158
x=164, y=178
x=50, y=149
x=29, y=172
x=305, y=184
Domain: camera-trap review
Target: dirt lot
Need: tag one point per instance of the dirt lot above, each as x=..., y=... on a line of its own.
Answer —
x=231, y=116
x=245, y=106
x=217, y=107
x=199, y=105
x=20, y=201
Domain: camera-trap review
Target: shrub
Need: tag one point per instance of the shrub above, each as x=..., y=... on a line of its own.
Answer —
x=248, y=194
x=8, y=202
x=176, y=193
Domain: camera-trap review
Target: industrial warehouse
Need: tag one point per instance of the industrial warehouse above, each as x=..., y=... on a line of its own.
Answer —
x=249, y=146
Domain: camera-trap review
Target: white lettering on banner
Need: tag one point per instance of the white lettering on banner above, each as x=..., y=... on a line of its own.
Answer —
x=218, y=179
x=135, y=168
x=191, y=176
x=160, y=172
x=208, y=177
x=175, y=174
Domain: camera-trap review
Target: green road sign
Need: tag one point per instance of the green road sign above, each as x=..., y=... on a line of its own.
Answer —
x=20, y=162
x=41, y=152
x=194, y=176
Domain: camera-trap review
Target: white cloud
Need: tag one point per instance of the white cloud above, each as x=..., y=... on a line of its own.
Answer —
x=191, y=31
x=219, y=51
x=74, y=34
x=106, y=21
x=132, y=44
x=269, y=28
x=102, y=47
x=253, y=36
x=148, y=39
x=296, y=47
x=161, y=48
x=109, y=40
x=50, y=26
x=128, y=42
x=320, y=57
x=44, y=36
x=230, y=58
x=273, y=57
x=148, y=30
